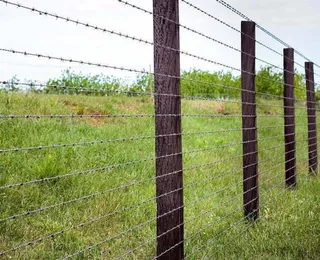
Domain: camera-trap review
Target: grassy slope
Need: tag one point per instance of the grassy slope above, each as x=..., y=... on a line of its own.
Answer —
x=289, y=228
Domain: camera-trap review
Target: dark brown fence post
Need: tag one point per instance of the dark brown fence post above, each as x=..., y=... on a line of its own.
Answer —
x=289, y=118
x=312, y=124
x=249, y=121
x=169, y=191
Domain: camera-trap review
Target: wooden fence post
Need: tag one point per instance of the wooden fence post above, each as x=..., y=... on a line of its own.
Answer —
x=289, y=118
x=249, y=121
x=170, y=229
x=312, y=124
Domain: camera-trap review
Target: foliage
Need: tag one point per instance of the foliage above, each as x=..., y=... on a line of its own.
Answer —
x=84, y=84
x=194, y=82
x=289, y=225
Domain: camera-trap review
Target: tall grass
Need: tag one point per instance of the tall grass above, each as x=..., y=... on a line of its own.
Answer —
x=289, y=227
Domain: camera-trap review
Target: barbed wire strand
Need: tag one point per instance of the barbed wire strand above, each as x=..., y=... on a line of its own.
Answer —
x=31, y=212
x=261, y=217
x=101, y=65
x=187, y=97
x=235, y=170
x=151, y=159
x=108, y=167
x=184, y=223
x=134, y=138
x=202, y=34
x=192, y=219
x=101, y=217
x=99, y=28
x=53, y=206
x=53, y=116
x=237, y=30
x=85, y=223
x=127, y=36
x=228, y=6
x=104, y=241
x=231, y=226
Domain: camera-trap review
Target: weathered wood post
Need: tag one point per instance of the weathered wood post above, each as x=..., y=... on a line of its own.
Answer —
x=249, y=121
x=312, y=120
x=170, y=229
x=289, y=118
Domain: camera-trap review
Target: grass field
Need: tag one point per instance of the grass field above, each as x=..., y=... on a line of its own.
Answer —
x=289, y=227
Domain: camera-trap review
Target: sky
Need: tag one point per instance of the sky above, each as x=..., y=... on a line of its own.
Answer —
x=296, y=22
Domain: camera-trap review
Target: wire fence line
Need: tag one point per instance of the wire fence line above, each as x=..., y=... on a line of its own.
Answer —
x=95, y=27
x=80, y=89
x=42, y=209
x=101, y=217
x=254, y=148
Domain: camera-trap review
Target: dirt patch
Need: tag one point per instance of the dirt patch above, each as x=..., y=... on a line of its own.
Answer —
x=96, y=118
x=97, y=115
x=217, y=107
x=130, y=107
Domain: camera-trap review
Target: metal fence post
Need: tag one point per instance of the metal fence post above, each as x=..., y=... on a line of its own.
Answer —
x=249, y=121
x=169, y=188
x=289, y=118
x=312, y=124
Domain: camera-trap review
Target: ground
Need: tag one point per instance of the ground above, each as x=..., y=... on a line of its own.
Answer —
x=119, y=214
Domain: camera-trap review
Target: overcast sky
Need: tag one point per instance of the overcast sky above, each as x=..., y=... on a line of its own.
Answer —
x=297, y=22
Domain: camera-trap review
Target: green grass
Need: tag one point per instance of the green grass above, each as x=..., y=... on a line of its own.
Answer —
x=289, y=227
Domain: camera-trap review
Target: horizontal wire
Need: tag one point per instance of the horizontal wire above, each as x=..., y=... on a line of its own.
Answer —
x=42, y=147
x=120, y=116
x=228, y=25
x=31, y=212
x=54, y=116
x=135, y=38
x=136, y=71
x=235, y=170
x=286, y=84
x=101, y=217
x=151, y=159
x=101, y=169
x=242, y=219
x=127, y=36
x=119, y=188
x=198, y=216
x=222, y=2
x=13, y=217
x=237, y=30
x=201, y=214
x=94, y=219
x=104, y=241
x=77, y=22
x=104, y=216
x=101, y=90
x=201, y=34
x=135, y=138
x=261, y=217
x=269, y=198
x=89, y=248
x=214, y=222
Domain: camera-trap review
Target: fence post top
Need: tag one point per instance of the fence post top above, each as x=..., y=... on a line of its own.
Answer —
x=248, y=22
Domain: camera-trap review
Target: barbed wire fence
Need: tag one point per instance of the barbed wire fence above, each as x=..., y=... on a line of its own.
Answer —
x=173, y=204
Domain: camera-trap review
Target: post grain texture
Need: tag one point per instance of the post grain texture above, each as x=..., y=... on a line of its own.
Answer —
x=289, y=118
x=169, y=192
x=249, y=122
x=312, y=124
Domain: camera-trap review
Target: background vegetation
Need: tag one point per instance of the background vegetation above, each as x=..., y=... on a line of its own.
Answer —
x=289, y=227
x=194, y=82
